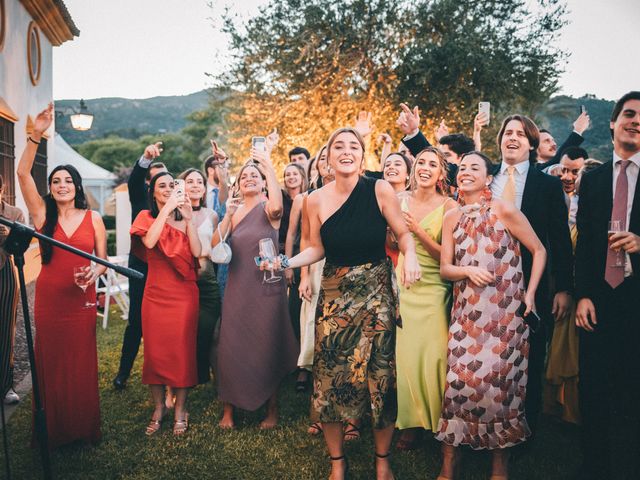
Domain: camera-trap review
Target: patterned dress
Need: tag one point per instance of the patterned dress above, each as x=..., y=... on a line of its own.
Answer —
x=488, y=341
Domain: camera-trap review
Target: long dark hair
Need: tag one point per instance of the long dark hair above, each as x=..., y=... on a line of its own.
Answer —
x=153, y=206
x=189, y=171
x=51, y=207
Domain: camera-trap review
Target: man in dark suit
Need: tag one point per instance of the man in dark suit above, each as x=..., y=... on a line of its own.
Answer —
x=541, y=199
x=608, y=292
x=144, y=169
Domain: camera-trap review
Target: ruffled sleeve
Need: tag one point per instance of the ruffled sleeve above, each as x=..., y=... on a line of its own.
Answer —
x=173, y=244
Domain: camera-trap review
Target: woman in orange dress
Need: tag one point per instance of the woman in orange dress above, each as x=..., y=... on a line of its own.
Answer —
x=65, y=348
x=170, y=303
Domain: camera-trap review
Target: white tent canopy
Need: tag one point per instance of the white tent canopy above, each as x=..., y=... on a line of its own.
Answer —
x=97, y=181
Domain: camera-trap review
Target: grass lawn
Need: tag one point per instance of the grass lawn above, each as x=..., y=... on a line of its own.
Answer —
x=206, y=452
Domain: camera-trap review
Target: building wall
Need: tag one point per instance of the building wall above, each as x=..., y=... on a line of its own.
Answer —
x=16, y=88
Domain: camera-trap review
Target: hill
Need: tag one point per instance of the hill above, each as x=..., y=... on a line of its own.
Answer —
x=129, y=118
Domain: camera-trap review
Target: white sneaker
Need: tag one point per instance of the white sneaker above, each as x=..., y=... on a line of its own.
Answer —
x=11, y=397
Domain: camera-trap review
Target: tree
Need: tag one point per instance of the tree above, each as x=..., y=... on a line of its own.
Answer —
x=308, y=67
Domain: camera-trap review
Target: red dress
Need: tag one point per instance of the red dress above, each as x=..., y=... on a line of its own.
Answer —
x=169, y=306
x=65, y=346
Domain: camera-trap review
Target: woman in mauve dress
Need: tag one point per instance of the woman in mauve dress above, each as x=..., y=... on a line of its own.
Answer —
x=488, y=343
x=256, y=347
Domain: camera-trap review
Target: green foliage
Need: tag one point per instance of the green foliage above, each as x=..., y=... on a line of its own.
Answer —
x=308, y=67
x=247, y=453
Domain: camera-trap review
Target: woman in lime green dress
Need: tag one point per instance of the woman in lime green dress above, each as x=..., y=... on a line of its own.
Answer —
x=421, y=343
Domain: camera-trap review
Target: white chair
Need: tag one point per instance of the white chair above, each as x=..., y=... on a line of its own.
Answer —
x=114, y=285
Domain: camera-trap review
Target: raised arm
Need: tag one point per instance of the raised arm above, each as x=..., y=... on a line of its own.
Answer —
x=136, y=180
x=409, y=123
x=35, y=203
x=274, y=204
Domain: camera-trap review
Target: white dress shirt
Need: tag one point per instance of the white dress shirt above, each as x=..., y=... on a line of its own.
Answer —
x=632, y=175
x=519, y=176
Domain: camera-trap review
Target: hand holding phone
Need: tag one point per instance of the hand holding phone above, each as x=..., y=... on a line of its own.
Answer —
x=532, y=319
x=259, y=143
x=179, y=187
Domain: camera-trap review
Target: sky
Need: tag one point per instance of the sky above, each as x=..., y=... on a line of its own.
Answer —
x=147, y=48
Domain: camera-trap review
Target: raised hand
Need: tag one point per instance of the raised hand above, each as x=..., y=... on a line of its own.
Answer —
x=186, y=210
x=271, y=140
x=43, y=120
x=408, y=120
x=582, y=123
x=153, y=151
x=363, y=123
x=217, y=151
x=480, y=121
x=441, y=131
x=262, y=159
x=384, y=138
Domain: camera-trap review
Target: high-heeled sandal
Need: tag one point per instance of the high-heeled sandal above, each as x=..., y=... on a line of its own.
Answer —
x=346, y=465
x=180, y=427
x=155, y=425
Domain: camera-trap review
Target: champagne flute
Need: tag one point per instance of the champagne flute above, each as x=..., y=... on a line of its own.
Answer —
x=268, y=252
x=615, y=226
x=81, y=276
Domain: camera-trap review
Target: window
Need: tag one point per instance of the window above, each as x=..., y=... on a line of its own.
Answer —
x=39, y=169
x=7, y=157
x=34, y=57
x=3, y=24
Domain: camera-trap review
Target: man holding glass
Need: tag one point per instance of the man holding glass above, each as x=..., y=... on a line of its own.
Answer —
x=608, y=288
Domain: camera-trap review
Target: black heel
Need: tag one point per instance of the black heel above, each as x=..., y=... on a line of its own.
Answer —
x=346, y=464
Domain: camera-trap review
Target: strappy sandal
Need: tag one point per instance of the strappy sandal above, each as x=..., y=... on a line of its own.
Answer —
x=154, y=425
x=180, y=427
x=351, y=432
x=315, y=428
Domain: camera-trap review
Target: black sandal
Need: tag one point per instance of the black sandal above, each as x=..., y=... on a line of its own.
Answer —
x=302, y=385
x=346, y=464
x=315, y=428
x=351, y=432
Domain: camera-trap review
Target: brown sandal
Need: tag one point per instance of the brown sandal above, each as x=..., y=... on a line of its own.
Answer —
x=315, y=428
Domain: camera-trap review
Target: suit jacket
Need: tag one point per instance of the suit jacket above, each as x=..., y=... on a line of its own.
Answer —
x=544, y=206
x=594, y=213
x=138, y=190
x=573, y=140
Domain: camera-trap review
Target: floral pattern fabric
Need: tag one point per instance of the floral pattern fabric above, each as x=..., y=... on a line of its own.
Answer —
x=354, y=358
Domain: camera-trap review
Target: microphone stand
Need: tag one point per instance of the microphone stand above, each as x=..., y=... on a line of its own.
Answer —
x=16, y=244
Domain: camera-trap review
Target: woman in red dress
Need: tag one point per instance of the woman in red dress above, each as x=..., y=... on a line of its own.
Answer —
x=170, y=302
x=65, y=347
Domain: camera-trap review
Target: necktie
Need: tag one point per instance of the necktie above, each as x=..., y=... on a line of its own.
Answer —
x=509, y=193
x=615, y=275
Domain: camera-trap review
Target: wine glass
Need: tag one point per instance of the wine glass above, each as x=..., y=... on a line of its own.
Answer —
x=268, y=252
x=615, y=226
x=82, y=275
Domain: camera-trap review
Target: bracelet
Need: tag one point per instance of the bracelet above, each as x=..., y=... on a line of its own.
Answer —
x=32, y=141
x=284, y=262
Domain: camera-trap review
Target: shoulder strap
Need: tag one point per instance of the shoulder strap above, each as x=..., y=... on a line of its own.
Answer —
x=222, y=239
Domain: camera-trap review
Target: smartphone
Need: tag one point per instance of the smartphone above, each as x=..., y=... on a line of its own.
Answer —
x=259, y=143
x=532, y=319
x=582, y=109
x=178, y=184
x=485, y=107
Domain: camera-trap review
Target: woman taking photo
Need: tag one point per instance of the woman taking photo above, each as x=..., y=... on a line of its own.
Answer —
x=421, y=343
x=205, y=220
x=65, y=315
x=355, y=334
x=170, y=302
x=488, y=338
x=256, y=348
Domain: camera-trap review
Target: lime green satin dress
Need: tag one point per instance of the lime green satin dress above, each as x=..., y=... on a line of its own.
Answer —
x=421, y=343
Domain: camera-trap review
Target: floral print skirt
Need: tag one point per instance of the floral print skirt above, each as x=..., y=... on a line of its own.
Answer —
x=354, y=357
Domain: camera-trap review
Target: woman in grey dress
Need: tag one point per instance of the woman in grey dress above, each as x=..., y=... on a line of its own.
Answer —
x=257, y=347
